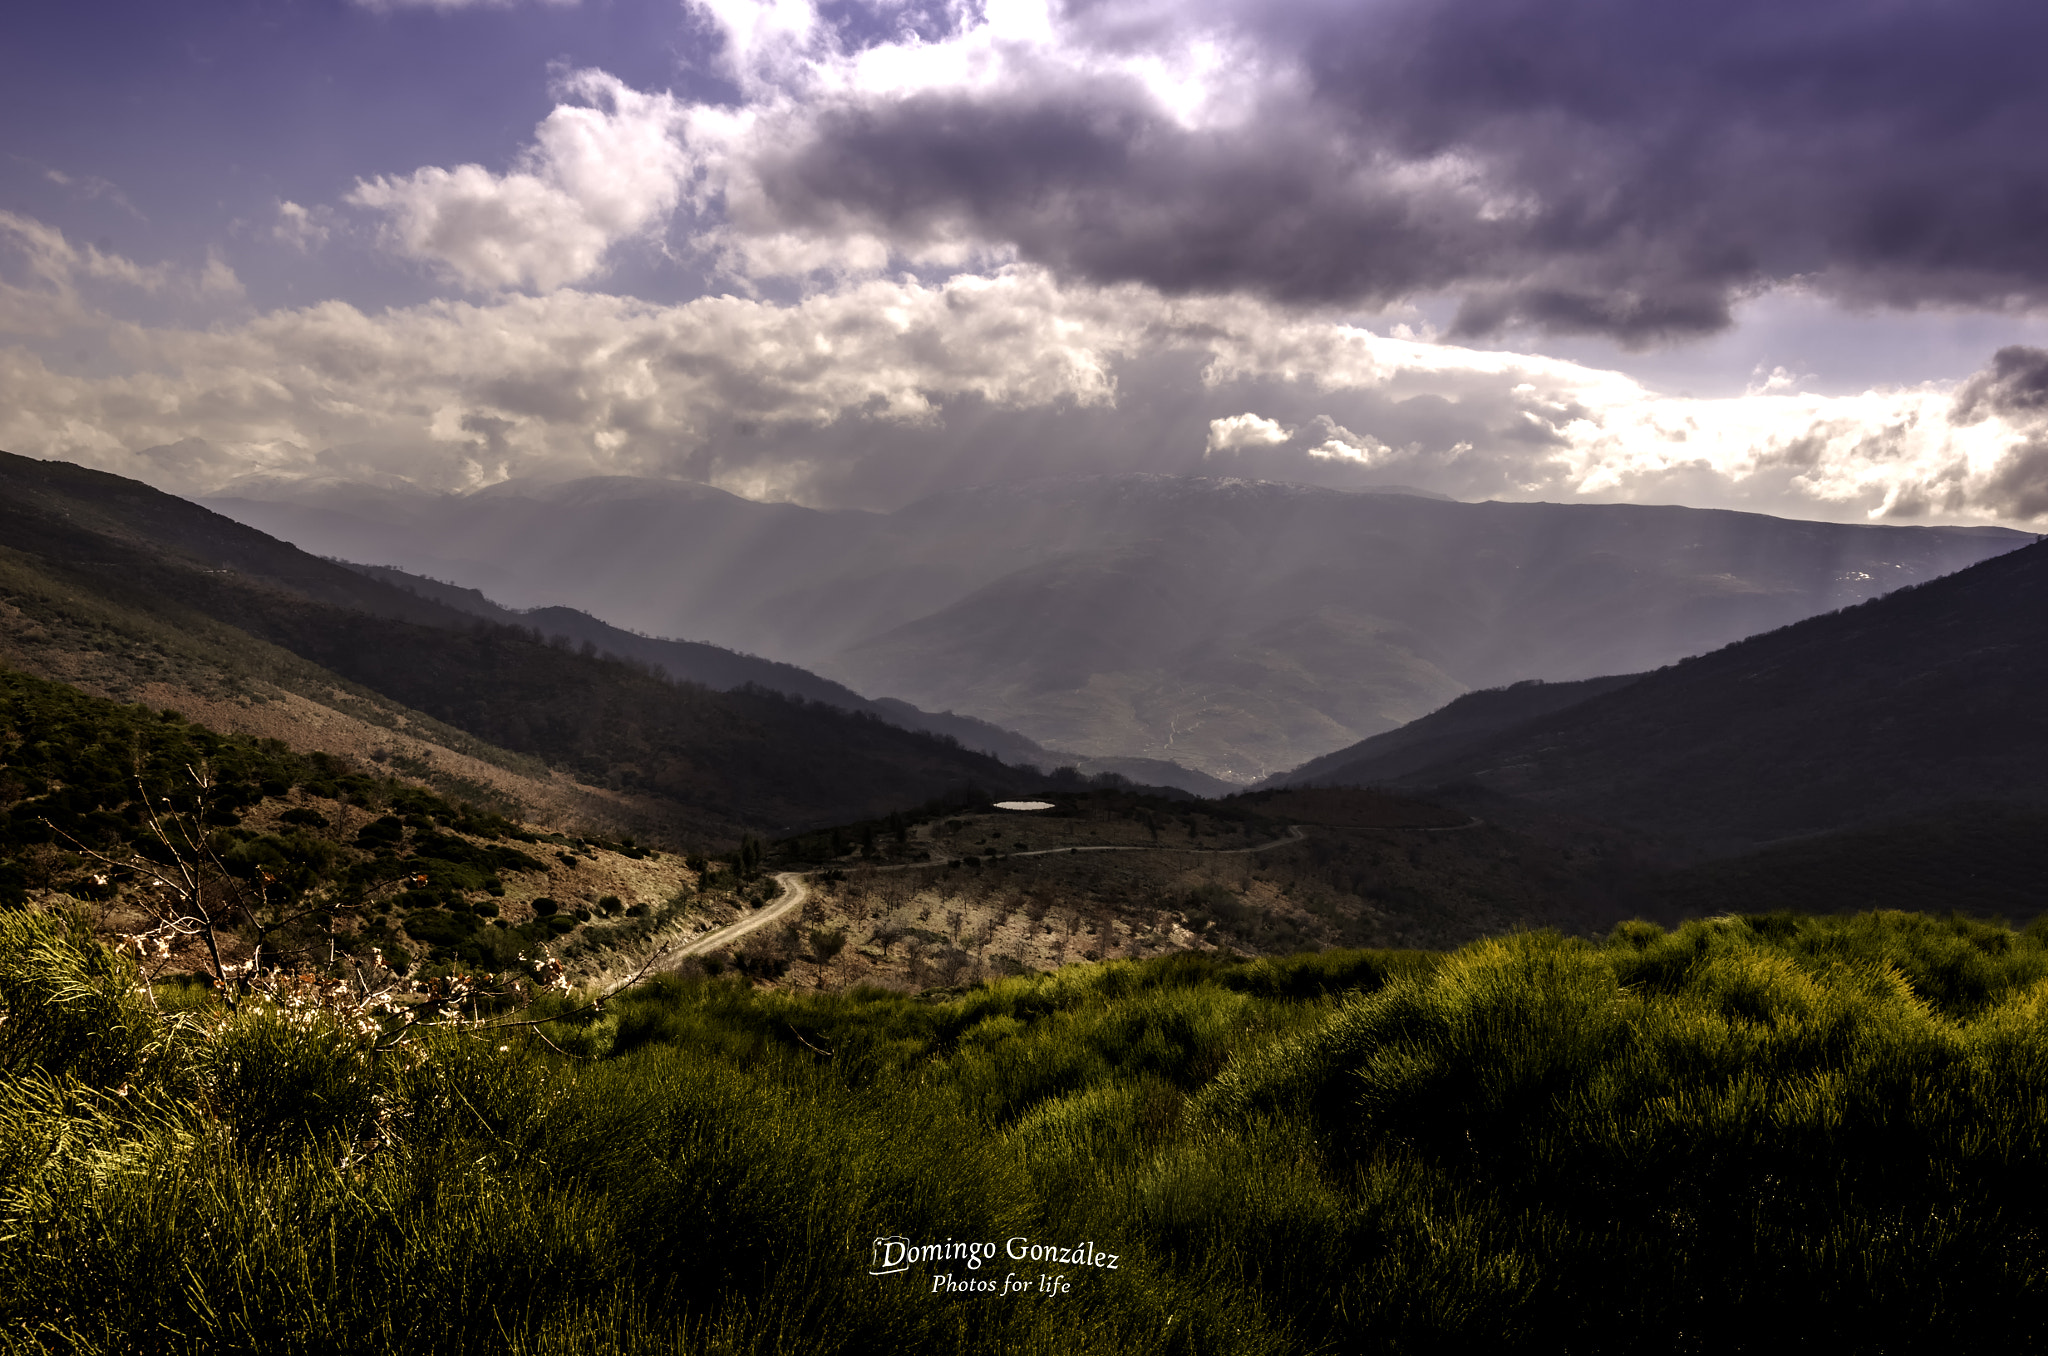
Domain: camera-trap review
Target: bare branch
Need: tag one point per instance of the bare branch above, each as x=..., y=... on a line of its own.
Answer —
x=806, y=1044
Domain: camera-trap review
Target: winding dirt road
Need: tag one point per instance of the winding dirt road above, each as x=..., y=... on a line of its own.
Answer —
x=795, y=890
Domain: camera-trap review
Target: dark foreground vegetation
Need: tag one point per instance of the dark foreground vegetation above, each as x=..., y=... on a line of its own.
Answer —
x=1751, y=1134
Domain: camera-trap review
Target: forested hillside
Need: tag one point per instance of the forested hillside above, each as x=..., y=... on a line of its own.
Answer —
x=158, y=586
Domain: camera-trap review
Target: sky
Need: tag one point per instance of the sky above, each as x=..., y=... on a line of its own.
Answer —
x=1785, y=257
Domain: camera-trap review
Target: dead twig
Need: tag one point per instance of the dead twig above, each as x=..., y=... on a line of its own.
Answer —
x=806, y=1044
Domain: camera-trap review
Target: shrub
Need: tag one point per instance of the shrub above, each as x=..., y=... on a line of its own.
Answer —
x=436, y=927
x=69, y=1005
x=278, y=1078
x=386, y=832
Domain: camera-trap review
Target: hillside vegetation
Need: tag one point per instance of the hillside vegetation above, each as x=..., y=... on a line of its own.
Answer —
x=310, y=858
x=961, y=893
x=428, y=868
x=1749, y=1135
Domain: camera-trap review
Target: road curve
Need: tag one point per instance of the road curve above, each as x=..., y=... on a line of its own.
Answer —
x=795, y=890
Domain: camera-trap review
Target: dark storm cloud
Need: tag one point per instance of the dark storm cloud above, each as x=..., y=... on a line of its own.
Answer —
x=1095, y=182
x=2020, y=488
x=1606, y=166
x=2015, y=386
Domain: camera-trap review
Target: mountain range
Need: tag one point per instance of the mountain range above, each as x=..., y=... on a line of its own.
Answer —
x=1236, y=627
x=1769, y=770
x=134, y=594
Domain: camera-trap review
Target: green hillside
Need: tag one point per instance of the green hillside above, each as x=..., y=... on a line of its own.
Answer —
x=1749, y=1135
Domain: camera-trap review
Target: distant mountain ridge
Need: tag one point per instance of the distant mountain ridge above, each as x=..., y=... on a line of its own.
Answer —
x=728, y=670
x=1236, y=627
x=687, y=661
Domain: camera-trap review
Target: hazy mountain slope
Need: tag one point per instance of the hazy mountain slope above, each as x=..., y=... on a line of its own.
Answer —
x=684, y=660
x=1117, y=650
x=723, y=669
x=1444, y=734
x=1237, y=627
x=1898, y=708
x=660, y=557
x=728, y=759
x=1257, y=625
x=1153, y=772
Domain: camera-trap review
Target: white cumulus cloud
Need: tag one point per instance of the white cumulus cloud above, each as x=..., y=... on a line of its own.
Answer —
x=1333, y=442
x=603, y=169
x=303, y=229
x=1239, y=431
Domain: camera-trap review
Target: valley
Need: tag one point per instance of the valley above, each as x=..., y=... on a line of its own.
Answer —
x=1238, y=628
x=1571, y=805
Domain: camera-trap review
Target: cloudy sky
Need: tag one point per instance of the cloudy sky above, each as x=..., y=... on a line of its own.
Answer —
x=1782, y=256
